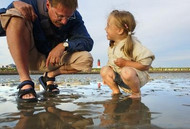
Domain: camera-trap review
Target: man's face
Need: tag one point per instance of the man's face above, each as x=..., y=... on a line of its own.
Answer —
x=59, y=15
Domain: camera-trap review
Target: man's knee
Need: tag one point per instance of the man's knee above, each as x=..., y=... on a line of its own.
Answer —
x=11, y=18
x=86, y=57
x=86, y=60
x=83, y=61
x=20, y=25
x=14, y=21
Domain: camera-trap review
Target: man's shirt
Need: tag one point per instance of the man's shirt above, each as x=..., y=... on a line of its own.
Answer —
x=47, y=36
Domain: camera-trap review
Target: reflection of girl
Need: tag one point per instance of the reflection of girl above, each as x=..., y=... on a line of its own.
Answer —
x=129, y=60
x=125, y=113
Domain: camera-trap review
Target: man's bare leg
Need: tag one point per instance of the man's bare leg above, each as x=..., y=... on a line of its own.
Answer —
x=18, y=38
x=59, y=71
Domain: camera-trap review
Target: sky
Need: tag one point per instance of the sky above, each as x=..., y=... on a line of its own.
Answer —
x=162, y=26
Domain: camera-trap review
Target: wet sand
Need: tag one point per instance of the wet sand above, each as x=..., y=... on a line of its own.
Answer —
x=84, y=102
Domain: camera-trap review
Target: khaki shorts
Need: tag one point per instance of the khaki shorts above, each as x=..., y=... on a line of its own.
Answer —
x=143, y=77
x=81, y=61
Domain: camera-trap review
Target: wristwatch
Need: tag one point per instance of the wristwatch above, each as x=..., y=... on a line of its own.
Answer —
x=65, y=44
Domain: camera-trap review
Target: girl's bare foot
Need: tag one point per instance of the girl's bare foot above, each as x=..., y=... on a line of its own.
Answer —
x=115, y=91
x=135, y=95
x=115, y=94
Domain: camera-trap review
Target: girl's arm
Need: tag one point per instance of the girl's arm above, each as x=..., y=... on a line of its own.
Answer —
x=120, y=62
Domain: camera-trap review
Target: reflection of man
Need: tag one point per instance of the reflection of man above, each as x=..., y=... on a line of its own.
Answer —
x=125, y=113
x=46, y=35
x=53, y=118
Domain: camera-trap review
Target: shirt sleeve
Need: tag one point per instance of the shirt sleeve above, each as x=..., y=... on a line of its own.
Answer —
x=10, y=6
x=142, y=54
x=79, y=39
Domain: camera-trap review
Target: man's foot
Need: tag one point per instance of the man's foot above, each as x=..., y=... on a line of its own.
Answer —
x=48, y=83
x=27, y=96
x=26, y=92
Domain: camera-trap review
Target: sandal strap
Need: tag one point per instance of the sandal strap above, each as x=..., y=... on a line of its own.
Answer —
x=26, y=91
x=26, y=82
x=52, y=87
x=48, y=78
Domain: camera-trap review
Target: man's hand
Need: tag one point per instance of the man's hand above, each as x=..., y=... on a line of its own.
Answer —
x=26, y=10
x=55, y=55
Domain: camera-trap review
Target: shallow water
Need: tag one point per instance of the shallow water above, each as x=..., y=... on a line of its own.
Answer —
x=84, y=102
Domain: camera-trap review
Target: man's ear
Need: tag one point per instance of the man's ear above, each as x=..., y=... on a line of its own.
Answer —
x=48, y=4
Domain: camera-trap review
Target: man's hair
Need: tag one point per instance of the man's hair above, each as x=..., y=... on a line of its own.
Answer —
x=72, y=4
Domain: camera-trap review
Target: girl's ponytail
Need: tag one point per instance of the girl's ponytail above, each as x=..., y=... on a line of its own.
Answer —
x=126, y=21
x=128, y=47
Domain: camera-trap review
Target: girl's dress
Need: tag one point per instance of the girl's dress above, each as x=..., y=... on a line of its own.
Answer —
x=141, y=54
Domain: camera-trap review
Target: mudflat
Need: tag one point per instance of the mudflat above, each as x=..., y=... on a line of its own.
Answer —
x=84, y=102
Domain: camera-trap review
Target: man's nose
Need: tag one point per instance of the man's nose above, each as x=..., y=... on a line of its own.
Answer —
x=64, y=21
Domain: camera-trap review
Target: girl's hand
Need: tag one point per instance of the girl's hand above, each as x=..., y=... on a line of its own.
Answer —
x=25, y=9
x=120, y=62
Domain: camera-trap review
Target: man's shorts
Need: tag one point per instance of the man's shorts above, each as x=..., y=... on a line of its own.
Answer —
x=81, y=61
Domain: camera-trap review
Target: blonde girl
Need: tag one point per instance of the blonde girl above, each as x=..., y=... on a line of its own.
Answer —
x=128, y=59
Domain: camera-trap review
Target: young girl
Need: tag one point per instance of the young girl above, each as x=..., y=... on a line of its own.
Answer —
x=129, y=60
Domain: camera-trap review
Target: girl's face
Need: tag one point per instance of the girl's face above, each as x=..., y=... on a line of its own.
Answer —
x=113, y=32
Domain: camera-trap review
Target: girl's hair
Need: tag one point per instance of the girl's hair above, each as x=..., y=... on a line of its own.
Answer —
x=72, y=4
x=125, y=20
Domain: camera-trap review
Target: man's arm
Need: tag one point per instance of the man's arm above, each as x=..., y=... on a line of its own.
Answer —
x=79, y=40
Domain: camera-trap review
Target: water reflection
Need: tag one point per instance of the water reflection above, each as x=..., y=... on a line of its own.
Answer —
x=46, y=115
x=126, y=113
x=85, y=102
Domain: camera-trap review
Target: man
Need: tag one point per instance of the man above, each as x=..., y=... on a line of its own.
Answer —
x=46, y=35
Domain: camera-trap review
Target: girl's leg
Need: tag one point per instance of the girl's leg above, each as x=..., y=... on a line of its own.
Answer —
x=108, y=77
x=129, y=77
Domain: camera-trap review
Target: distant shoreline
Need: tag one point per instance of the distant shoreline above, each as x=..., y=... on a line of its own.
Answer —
x=97, y=71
